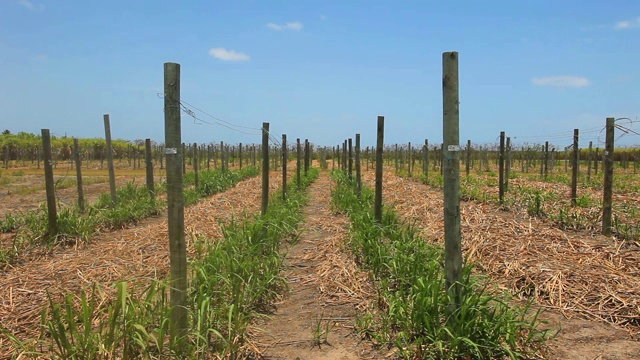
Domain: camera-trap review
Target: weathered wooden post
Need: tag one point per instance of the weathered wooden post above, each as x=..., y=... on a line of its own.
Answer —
x=451, y=149
x=298, y=161
x=426, y=160
x=589, y=160
x=307, y=156
x=501, y=169
x=112, y=173
x=358, y=170
x=378, y=186
x=52, y=215
x=507, y=165
x=468, y=164
x=265, y=167
x=284, y=166
x=546, y=159
x=195, y=164
x=350, y=160
x=149, y=167
x=344, y=156
x=240, y=155
x=410, y=159
x=575, y=167
x=76, y=154
x=608, y=178
x=175, y=206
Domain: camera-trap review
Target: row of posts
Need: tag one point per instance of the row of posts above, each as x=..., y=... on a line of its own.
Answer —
x=504, y=166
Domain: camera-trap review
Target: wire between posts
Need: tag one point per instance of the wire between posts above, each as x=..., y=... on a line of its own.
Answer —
x=186, y=108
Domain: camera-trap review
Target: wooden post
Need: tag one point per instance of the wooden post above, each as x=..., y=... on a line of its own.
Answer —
x=589, y=160
x=175, y=205
x=265, y=167
x=195, y=164
x=378, y=190
x=575, y=167
x=546, y=159
x=451, y=152
x=284, y=166
x=112, y=174
x=76, y=153
x=344, y=156
x=426, y=160
x=501, y=169
x=468, y=164
x=607, y=167
x=410, y=158
x=307, y=156
x=298, y=161
x=52, y=215
x=507, y=165
x=240, y=155
x=149, y=167
x=358, y=171
x=350, y=160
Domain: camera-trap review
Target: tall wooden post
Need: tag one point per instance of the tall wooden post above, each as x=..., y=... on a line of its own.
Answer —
x=589, y=160
x=501, y=169
x=426, y=160
x=546, y=159
x=350, y=160
x=344, y=156
x=468, y=164
x=298, y=161
x=76, y=154
x=149, y=167
x=284, y=166
x=378, y=185
x=507, y=164
x=265, y=167
x=194, y=160
x=307, y=156
x=358, y=170
x=451, y=161
x=607, y=167
x=112, y=173
x=240, y=156
x=175, y=205
x=575, y=167
x=52, y=214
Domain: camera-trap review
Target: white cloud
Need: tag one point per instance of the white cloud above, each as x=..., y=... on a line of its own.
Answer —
x=562, y=81
x=228, y=55
x=31, y=6
x=296, y=26
x=628, y=24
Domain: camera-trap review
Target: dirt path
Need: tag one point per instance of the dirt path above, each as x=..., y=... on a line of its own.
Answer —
x=316, y=317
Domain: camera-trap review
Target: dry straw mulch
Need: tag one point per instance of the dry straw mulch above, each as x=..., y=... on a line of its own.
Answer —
x=575, y=273
x=137, y=254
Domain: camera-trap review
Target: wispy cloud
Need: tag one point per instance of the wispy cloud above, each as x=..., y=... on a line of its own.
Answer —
x=562, y=81
x=295, y=26
x=628, y=24
x=228, y=55
x=31, y=5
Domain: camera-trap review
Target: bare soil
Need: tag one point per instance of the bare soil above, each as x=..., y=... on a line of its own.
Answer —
x=316, y=318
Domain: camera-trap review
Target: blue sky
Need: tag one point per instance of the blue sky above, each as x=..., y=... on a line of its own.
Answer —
x=322, y=70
